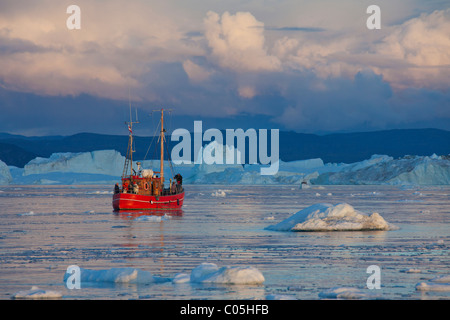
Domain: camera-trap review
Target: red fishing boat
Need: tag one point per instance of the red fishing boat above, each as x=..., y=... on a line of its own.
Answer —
x=143, y=189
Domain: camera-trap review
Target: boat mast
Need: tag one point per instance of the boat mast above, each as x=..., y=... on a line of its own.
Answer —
x=162, y=147
x=129, y=158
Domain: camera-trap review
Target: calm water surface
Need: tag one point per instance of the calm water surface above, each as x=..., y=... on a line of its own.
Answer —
x=45, y=229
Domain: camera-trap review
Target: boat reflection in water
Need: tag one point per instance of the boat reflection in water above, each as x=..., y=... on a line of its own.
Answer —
x=133, y=214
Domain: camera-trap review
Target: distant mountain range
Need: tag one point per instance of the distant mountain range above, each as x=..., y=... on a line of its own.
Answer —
x=18, y=150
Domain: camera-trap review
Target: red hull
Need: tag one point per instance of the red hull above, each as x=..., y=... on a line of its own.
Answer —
x=129, y=201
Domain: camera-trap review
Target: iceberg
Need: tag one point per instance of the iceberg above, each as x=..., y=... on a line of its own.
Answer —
x=105, y=166
x=107, y=162
x=5, y=174
x=379, y=169
x=328, y=217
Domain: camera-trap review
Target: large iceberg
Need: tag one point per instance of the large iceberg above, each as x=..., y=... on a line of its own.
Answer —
x=381, y=169
x=106, y=166
x=5, y=174
x=328, y=217
x=109, y=162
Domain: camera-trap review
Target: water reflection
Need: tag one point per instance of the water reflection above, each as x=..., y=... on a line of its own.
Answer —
x=133, y=214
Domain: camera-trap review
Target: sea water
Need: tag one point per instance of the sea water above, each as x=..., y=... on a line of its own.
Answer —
x=46, y=229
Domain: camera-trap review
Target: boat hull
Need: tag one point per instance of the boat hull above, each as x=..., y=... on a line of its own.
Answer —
x=129, y=201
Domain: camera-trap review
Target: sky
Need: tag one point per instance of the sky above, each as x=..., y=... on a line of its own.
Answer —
x=306, y=66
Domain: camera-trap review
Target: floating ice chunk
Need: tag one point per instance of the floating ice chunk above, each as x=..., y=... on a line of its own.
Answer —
x=100, y=192
x=152, y=218
x=182, y=278
x=411, y=270
x=347, y=293
x=211, y=273
x=29, y=213
x=219, y=193
x=202, y=271
x=37, y=293
x=441, y=279
x=117, y=275
x=440, y=283
x=430, y=286
x=327, y=217
x=280, y=297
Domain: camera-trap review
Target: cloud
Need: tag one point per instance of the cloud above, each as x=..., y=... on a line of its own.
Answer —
x=247, y=92
x=338, y=104
x=415, y=53
x=195, y=72
x=117, y=44
x=325, y=71
x=422, y=46
x=237, y=42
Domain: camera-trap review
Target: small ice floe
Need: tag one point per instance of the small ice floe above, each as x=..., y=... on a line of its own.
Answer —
x=411, y=270
x=280, y=297
x=118, y=275
x=304, y=185
x=152, y=218
x=99, y=192
x=211, y=273
x=219, y=193
x=347, y=293
x=328, y=217
x=29, y=213
x=37, y=293
x=440, y=284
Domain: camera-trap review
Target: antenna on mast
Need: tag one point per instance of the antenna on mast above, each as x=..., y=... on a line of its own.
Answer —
x=129, y=157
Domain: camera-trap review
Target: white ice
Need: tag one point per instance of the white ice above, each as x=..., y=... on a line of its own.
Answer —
x=211, y=273
x=439, y=284
x=5, y=174
x=204, y=273
x=117, y=275
x=328, y=217
x=37, y=293
x=347, y=293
